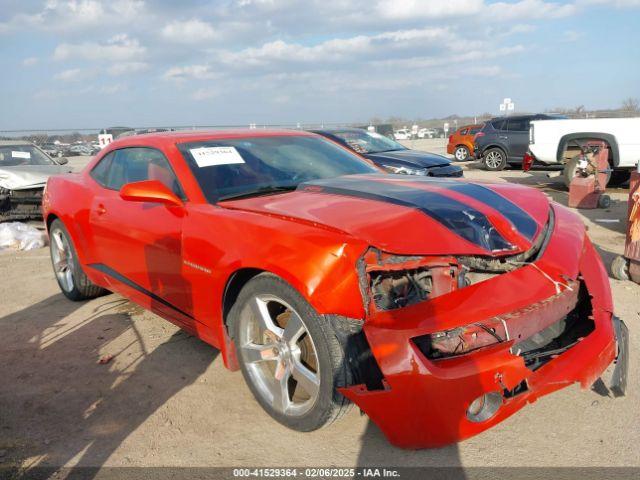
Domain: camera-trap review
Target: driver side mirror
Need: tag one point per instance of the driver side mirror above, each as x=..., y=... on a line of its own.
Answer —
x=149, y=191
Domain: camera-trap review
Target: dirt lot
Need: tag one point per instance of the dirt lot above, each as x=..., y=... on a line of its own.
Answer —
x=166, y=399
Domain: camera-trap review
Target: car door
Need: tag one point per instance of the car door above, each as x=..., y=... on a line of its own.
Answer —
x=138, y=245
x=518, y=133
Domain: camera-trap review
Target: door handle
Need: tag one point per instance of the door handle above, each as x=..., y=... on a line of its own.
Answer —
x=101, y=210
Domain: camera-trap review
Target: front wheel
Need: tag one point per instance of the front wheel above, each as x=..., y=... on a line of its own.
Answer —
x=289, y=355
x=494, y=159
x=73, y=282
x=461, y=153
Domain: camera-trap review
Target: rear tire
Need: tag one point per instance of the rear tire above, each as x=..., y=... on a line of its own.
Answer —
x=461, y=153
x=72, y=280
x=494, y=160
x=619, y=177
x=289, y=355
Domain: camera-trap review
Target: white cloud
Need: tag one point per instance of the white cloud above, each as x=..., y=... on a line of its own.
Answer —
x=30, y=61
x=412, y=9
x=70, y=15
x=196, y=72
x=334, y=50
x=127, y=68
x=72, y=75
x=527, y=10
x=189, y=32
x=117, y=48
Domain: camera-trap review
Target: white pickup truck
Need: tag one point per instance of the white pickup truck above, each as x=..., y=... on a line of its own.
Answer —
x=557, y=142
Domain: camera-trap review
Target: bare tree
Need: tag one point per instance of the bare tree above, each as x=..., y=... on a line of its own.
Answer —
x=631, y=105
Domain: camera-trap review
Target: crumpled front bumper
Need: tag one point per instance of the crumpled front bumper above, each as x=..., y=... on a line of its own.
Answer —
x=424, y=402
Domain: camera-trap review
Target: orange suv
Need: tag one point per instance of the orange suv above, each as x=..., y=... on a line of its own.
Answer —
x=461, y=142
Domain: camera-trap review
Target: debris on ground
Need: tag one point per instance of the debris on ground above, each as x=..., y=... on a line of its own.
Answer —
x=20, y=236
x=106, y=359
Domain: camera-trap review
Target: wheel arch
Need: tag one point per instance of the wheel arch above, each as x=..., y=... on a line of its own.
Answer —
x=236, y=281
x=606, y=137
x=51, y=217
x=495, y=145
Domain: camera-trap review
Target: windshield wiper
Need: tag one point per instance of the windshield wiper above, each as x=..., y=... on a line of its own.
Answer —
x=267, y=190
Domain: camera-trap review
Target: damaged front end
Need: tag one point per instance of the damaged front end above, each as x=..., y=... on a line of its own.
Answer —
x=458, y=343
x=22, y=204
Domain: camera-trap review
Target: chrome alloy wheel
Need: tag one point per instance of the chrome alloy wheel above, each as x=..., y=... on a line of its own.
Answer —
x=279, y=355
x=461, y=154
x=493, y=159
x=63, y=264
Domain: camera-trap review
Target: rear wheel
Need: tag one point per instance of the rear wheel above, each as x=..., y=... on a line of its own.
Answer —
x=289, y=355
x=461, y=153
x=494, y=159
x=73, y=282
x=619, y=177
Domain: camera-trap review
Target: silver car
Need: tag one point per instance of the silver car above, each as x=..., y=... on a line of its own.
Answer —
x=24, y=170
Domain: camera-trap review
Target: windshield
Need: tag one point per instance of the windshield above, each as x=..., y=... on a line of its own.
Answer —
x=363, y=141
x=240, y=167
x=16, y=155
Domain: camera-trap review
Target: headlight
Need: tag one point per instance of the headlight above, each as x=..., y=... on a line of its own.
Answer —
x=405, y=170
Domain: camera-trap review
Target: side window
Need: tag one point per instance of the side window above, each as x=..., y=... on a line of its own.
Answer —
x=101, y=171
x=518, y=125
x=464, y=131
x=473, y=131
x=137, y=164
x=499, y=124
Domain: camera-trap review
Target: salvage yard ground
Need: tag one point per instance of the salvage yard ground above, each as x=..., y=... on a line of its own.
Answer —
x=165, y=398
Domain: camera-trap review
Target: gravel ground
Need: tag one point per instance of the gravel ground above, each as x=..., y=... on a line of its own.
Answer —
x=166, y=399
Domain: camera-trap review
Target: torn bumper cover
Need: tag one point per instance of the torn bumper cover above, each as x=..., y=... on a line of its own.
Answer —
x=544, y=326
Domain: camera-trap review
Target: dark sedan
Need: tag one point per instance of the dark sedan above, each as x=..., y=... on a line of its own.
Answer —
x=390, y=155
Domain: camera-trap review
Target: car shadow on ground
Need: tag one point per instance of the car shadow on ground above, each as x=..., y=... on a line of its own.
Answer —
x=107, y=401
x=376, y=451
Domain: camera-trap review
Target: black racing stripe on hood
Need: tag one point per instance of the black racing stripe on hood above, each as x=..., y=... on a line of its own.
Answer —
x=461, y=219
x=523, y=222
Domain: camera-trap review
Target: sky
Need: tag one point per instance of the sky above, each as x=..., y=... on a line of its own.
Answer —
x=95, y=64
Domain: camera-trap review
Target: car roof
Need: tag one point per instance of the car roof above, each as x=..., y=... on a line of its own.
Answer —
x=336, y=129
x=10, y=143
x=187, y=136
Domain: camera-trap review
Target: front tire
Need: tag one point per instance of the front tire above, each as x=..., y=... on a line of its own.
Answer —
x=494, y=160
x=289, y=355
x=461, y=153
x=72, y=280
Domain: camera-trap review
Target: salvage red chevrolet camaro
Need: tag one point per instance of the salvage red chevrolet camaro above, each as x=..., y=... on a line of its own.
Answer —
x=438, y=306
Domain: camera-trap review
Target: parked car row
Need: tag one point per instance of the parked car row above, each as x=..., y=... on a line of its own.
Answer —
x=409, y=134
x=57, y=150
x=546, y=140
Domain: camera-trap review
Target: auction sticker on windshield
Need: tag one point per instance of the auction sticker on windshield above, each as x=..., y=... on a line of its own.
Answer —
x=15, y=154
x=211, y=156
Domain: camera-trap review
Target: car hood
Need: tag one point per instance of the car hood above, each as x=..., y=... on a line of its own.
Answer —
x=409, y=158
x=28, y=176
x=411, y=215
